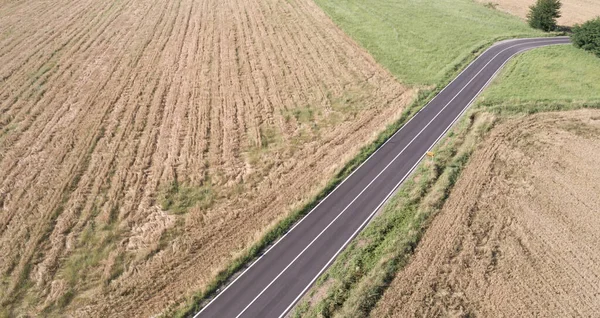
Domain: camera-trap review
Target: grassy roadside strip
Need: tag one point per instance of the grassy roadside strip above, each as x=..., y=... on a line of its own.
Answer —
x=357, y=279
x=533, y=107
x=560, y=73
x=546, y=79
x=224, y=277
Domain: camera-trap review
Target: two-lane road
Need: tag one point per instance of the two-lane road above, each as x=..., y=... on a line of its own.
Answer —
x=275, y=282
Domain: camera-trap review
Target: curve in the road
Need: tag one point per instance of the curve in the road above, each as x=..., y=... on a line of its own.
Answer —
x=276, y=280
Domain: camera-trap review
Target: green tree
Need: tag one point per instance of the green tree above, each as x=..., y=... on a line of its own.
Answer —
x=587, y=36
x=543, y=14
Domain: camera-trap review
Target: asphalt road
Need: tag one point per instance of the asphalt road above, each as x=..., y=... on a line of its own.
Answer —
x=273, y=284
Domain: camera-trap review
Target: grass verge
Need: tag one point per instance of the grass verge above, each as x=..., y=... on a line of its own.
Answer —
x=549, y=78
x=357, y=279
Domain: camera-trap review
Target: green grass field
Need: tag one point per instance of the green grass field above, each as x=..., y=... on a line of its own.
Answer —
x=551, y=75
x=422, y=41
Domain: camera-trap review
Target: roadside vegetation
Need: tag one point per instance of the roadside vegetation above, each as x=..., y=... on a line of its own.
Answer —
x=352, y=286
x=550, y=78
x=587, y=36
x=546, y=79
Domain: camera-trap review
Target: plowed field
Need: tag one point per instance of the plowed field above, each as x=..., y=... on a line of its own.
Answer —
x=518, y=236
x=145, y=144
x=573, y=11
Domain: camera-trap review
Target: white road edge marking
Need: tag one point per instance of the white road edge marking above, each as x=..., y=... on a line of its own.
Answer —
x=374, y=179
x=373, y=154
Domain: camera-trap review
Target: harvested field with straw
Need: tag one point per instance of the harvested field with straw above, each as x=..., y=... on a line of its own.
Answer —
x=573, y=11
x=518, y=235
x=146, y=144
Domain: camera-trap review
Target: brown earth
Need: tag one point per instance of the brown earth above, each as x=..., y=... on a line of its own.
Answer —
x=518, y=236
x=573, y=11
x=116, y=116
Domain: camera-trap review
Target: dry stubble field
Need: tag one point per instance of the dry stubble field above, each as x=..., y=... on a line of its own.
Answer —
x=145, y=144
x=518, y=235
x=573, y=11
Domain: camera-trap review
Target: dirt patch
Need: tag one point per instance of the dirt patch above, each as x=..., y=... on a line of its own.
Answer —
x=518, y=235
x=145, y=144
x=573, y=11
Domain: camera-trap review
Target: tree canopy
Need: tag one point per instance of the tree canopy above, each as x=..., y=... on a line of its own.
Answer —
x=543, y=14
x=587, y=36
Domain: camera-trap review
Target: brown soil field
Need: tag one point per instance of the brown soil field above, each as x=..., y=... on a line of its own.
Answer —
x=146, y=144
x=573, y=11
x=518, y=236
